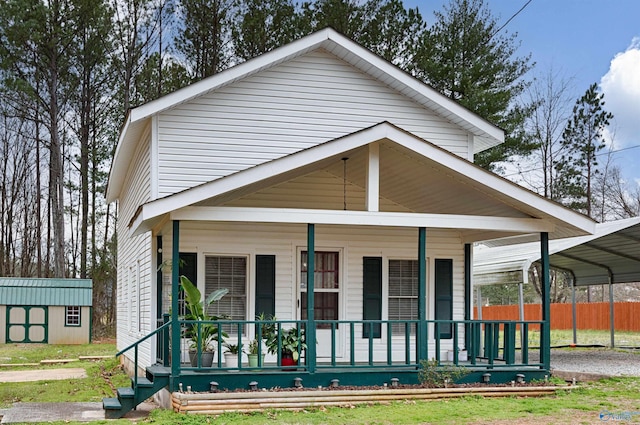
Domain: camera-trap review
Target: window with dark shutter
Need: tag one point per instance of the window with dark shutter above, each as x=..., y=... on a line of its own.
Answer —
x=444, y=295
x=266, y=285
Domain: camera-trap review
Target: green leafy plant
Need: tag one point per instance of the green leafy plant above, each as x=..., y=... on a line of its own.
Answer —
x=292, y=340
x=434, y=375
x=253, y=346
x=232, y=348
x=197, y=311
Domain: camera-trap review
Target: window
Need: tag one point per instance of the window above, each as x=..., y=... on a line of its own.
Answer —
x=326, y=285
x=72, y=316
x=230, y=273
x=403, y=293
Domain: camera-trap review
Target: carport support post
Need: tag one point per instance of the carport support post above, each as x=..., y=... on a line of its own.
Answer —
x=422, y=294
x=545, y=335
x=175, y=327
x=311, y=325
x=612, y=322
x=574, y=314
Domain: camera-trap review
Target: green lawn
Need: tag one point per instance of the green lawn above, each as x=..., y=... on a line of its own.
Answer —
x=103, y=376
x=575, y=406
x=584, y=337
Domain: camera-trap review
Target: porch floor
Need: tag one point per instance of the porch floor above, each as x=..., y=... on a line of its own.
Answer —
x=361, y=374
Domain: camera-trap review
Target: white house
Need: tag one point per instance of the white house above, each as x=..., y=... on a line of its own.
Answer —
x=318, y=146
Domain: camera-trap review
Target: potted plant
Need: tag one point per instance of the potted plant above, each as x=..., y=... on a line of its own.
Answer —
x=292, y=341
x=232, y=355
x=202, y=335
x=252, y=353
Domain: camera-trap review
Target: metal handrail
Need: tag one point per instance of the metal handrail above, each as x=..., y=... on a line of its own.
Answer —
x=135, y=355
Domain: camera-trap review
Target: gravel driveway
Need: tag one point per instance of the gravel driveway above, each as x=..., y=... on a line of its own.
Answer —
x=598, y=360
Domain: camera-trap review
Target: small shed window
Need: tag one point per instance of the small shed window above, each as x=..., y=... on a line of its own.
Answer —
x=72, y=315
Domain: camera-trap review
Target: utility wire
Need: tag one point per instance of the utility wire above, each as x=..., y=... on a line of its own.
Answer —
x=600, y=154
x=512, y=17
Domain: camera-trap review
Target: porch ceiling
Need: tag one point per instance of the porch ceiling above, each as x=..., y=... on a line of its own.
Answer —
x=614, y=249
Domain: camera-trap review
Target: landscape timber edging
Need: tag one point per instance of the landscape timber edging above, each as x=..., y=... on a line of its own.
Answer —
x=253, y=401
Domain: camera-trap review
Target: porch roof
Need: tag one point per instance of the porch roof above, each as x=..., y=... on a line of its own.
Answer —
x=614, y=250
x=435, y=188
x=137, y=121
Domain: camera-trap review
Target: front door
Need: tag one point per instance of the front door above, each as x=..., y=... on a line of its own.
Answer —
x=327, y=287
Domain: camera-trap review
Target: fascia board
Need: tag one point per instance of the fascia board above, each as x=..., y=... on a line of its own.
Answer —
x=119, y=164
x=360, y=218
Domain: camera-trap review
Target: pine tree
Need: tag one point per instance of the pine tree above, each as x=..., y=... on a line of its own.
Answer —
x=204, y=41
x=583, y=139
x=463, y=56
x=263, y=25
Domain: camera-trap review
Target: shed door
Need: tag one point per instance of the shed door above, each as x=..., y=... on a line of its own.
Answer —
x=27, y=324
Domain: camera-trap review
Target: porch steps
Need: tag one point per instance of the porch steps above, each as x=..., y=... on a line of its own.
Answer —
x=127, y=398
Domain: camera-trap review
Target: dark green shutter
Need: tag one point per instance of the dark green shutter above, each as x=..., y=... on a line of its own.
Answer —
x=444, y=294
x=189, y=266
x=266, y=285
x=372, y=293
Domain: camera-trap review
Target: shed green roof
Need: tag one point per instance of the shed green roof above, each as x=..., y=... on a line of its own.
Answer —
x=55, y=292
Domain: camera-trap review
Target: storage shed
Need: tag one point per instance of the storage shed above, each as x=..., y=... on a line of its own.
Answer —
x=53, y=311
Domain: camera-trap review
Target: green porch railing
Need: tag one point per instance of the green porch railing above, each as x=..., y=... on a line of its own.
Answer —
x=239, y=331
x=162, y=330
x=385, y=343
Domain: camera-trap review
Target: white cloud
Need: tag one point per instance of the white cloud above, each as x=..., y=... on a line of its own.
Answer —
x=621, y=88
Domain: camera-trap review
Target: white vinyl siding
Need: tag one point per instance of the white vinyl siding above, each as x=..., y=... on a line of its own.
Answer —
x=134, y=259
x=291, y=107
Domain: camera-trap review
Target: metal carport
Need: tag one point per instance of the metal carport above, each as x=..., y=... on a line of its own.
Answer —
x=611, y=255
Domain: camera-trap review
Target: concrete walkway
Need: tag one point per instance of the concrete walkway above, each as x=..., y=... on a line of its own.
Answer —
x=42, y=375
x=47, y=412
x=78, y=412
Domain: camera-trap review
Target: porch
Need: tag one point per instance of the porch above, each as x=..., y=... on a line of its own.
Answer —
x=381, y=353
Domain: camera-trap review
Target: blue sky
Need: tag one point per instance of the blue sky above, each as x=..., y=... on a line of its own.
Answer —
x=588, y=41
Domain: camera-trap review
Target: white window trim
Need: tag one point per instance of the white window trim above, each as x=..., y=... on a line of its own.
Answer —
x=78, y=315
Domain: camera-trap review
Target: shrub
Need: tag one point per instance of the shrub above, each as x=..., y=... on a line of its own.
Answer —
x=433, y=375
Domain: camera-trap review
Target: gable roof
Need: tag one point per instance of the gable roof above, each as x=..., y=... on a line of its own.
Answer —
x=613, y=248
x=53, y=292
x=528, y=204
x=486, y=134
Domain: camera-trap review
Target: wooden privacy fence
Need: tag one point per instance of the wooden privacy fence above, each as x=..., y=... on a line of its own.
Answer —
x=594, y=316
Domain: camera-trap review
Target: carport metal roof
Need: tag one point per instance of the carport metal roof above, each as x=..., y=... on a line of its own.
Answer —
x=613, y=251
x=50, y=292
